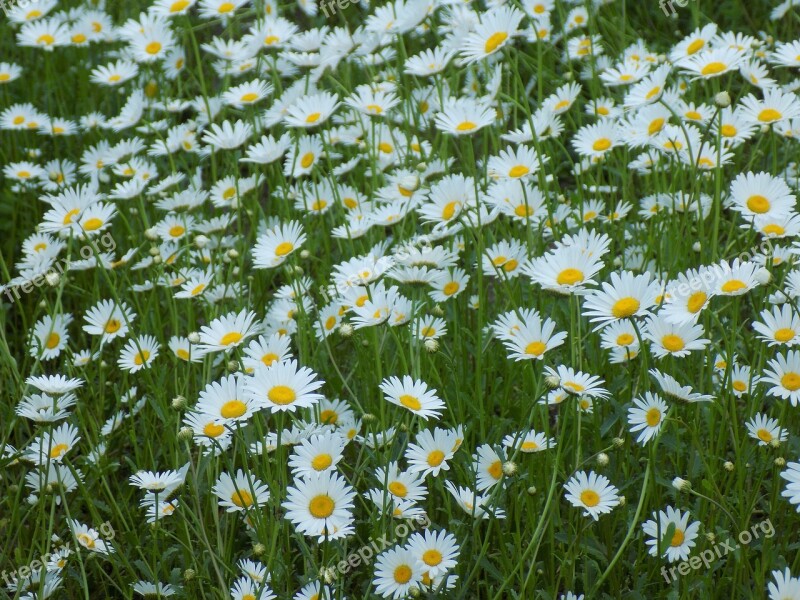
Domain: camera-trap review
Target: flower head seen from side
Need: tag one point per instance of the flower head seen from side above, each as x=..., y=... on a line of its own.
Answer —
x=241, y=492
x=412, y=395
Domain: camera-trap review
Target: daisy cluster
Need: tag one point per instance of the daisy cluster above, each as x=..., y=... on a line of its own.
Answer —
x=424, y=260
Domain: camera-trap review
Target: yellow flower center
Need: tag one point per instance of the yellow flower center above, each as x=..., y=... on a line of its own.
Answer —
x=672, y=342
x=653, y=93
x=569, y=277
x=655, y=126
x=92, y=224
x=225, y=8
x=283, y=248
x=271, y=40
x=112, y=326
x=758, y=204
x=625, y=339
x=242, y=499
x=728, y=130
x=495, y=469
x=58, y=450
x=178, y=6
x=230, y=338
x=52, y=340
x=141, y=357
x=313, y=117
x=282, y=394
x=791, y=381
x=177, y=231
x=432, y=557
x=45, y=39
x=402, y=574
x=233, y=409
x=494, y=41
x=601, y=145
x=450, y=288
x=321, y=462
x=307, y=159
x=435, y=458
x=784, y=335
x=86, y=540
x=696, y=302
x=768, y=115
x=78, y=38
x=466, y=126
x=213, y=430
x=519, y=171
x=398, y=489
x=182, y=353
x=153, y=48
x=535, y=348
x=677, y=538
x=625, y=307
x=773, y=229
x=321, y=507
x=529, y=446
x=734, y=285
x=410, y=402
x=653, y=417
x=764, y=435
x=713, y=68
x=695, y=46
x=590, y=498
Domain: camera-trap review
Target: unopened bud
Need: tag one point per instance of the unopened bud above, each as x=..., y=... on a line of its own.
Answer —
x=259, y=549
x=729, y=466
x=194, y=338
x=763, y=276
x=780, y=462
x=179, y=403
x=431, y=345
x=602, y=459
x=681, y=484
x=201, y=241
x=185, y=434
x=723, y=99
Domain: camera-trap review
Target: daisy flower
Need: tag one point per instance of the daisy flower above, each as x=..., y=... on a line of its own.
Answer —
x=436, y=552
x=320, y=504
x=766, y=430
x=108, y=320
x=646, y=416
x=742, y=380
x=784, y=376
x=533, y=339
x=626, y=296
x=755, y=194
x=225, y=400
x=240, y=493
x=488, y=465
x=464, y=116
x=89, y=538
x=138, y=353
x=566, y=270
x=779, y=326
x=497, y=28
x=53, y=445
x=247, y=94
x=284, y=387
x=413, y=395
x=397, y=570
x=591, y=492
x=680, y=544
x=578, y=383
x=226, y=332
x=528, y=442
x=474, y=504
x=670, y=339
x=49, y=336
x=785, y=587
x=670, y=387
x=228, y=136
x=317, y=454
x=776, y=106
x=430, y=452
x=311, y=110
x=274, y=247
